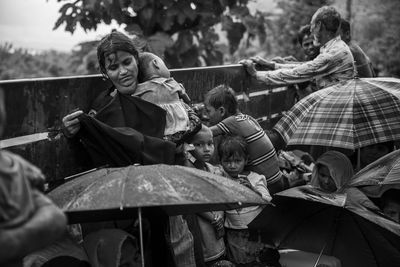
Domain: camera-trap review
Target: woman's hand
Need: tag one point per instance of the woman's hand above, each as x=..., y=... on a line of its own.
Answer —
x=71, y=124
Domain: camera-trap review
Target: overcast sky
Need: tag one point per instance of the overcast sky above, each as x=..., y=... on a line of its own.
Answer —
x=29, y=24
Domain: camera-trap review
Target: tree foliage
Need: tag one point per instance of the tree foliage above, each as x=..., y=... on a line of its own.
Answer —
x=20, y=63
x=181, y=30
x=378, y=33
x=282, y=29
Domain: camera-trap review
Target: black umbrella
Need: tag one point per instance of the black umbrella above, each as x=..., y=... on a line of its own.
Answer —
x=339, y=225
x=122, y=192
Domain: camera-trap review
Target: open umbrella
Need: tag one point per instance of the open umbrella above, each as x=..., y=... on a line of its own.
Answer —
x=352, y=114
x=379, y=176
x=113, y=193
x=339, y=225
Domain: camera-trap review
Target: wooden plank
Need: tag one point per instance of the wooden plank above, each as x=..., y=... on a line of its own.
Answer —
x=37, y=106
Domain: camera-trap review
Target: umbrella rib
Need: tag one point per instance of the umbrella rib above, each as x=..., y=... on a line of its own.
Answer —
x=168, y=184
x=363, y=235
x=335, y=227
x=222, y=191
x=77, y=196
x=121, y=205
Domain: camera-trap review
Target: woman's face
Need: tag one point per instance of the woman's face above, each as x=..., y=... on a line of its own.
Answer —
x=326, y=182
x=121, y=69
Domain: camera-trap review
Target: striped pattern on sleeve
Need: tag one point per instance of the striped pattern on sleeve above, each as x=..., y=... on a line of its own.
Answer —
x=262, y=155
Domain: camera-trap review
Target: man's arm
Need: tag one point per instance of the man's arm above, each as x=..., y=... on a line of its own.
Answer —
x=320, y=66
x=45, y=226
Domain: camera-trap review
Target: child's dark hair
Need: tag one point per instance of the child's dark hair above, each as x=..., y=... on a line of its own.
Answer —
x=111, y=43
x=233, y=145
x=143, y=65
x=223, y=96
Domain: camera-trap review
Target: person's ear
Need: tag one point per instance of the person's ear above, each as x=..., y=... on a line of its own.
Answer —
x=319, y=26
x=222, y=111
x=154, y=62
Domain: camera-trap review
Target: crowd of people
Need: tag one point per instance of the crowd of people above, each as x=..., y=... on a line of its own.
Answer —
x=230, y=144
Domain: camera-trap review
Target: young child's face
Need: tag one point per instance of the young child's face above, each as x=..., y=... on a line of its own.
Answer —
x=163, y=71
x=204, y=145
x=326, y=182
x=234, y=165
x=214, y=115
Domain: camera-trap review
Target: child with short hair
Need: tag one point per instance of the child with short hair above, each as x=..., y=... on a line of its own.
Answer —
x=211, y=223
x=157, y=87
x=222, y=107
x=233, y=152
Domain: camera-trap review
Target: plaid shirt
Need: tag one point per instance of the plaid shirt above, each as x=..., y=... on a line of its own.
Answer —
x=335, y=63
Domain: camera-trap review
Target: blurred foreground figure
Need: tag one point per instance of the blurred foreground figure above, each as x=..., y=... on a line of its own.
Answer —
x=28, y=219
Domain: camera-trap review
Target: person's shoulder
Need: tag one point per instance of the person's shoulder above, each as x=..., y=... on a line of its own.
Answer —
x=357, y=52
x=255, y=175
x=239, y=117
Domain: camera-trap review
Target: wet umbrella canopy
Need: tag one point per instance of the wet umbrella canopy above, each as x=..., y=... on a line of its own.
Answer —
x=379, y=176
x=338, y=225
x=350, y=115
x=114, y=192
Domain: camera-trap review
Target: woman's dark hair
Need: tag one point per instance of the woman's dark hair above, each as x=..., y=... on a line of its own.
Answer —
x=111, y=43
x=233, y=145
x=223, y=96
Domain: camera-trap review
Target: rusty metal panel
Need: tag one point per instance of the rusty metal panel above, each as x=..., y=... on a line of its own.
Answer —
x=38, y=106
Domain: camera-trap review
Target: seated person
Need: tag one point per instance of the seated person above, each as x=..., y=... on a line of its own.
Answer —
x=332, y=171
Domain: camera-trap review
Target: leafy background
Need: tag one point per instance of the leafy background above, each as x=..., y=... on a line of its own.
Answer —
x=207, y=32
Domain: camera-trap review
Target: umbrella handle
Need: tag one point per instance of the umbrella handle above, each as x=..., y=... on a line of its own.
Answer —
x=320, y=255
x=141, y=235
x=358, y=159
